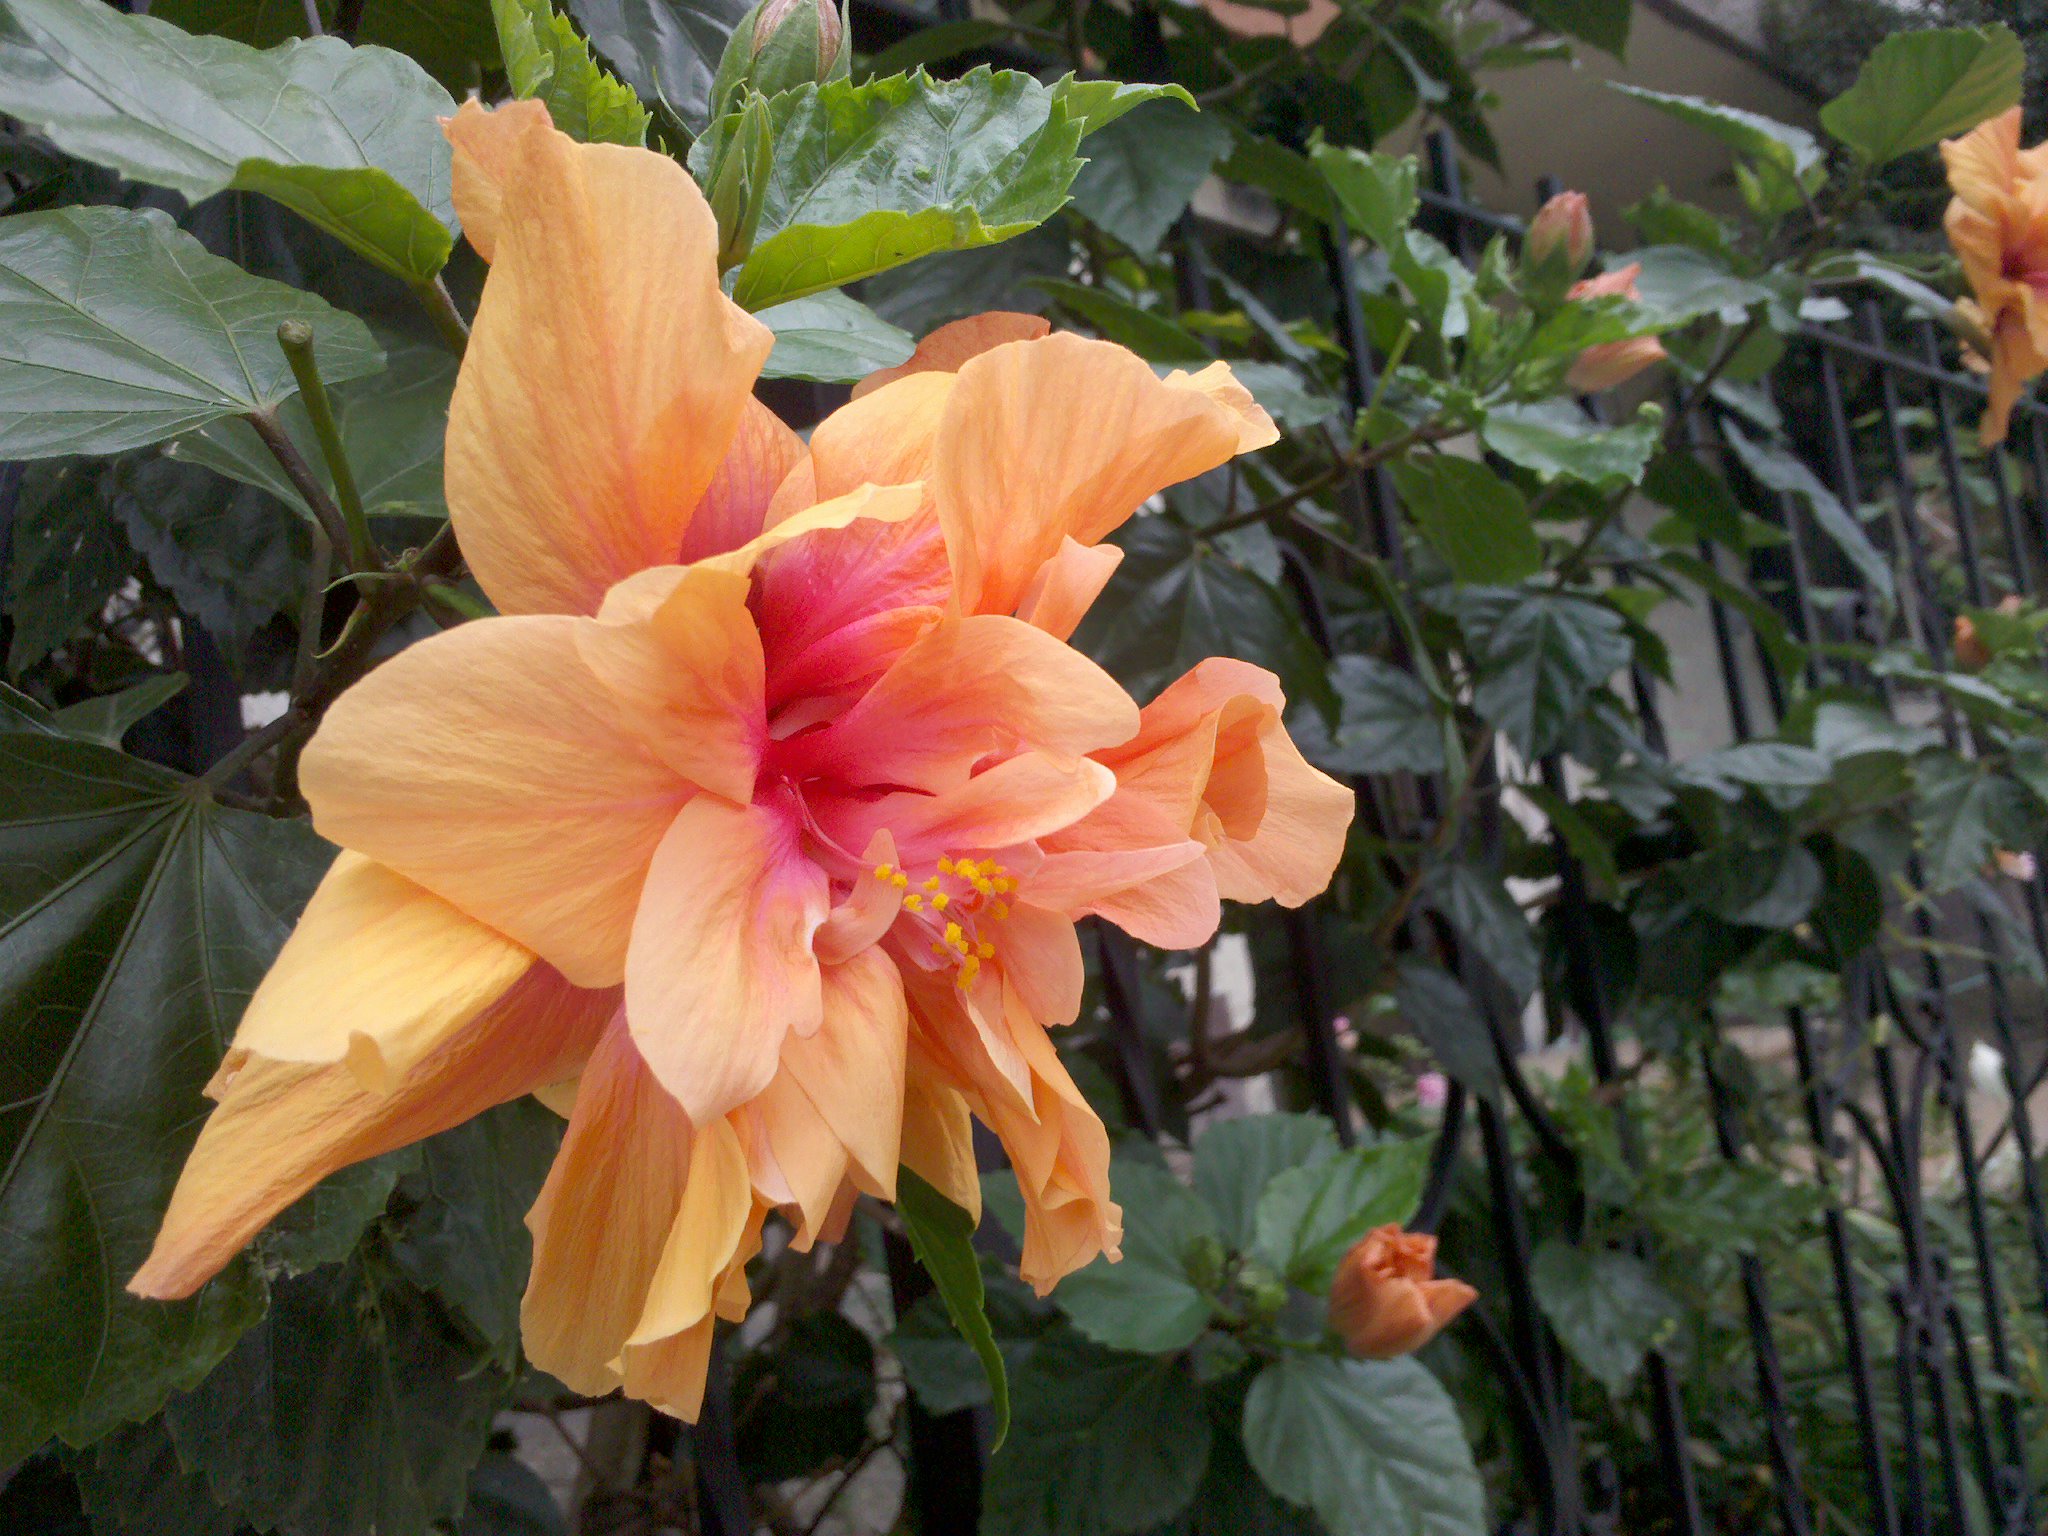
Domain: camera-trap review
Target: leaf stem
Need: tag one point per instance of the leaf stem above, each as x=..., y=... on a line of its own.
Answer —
x=303, y=480
x=295, y=337
x=311, y=610
x=440, y=307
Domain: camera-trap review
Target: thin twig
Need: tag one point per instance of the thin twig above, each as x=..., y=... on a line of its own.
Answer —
x=301, y=475
x=440, y=307
x=312, y=608
x=295, y=337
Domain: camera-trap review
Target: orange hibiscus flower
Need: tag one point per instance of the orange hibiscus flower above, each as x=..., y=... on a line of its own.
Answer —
x=752, y=835
x=1998, y=224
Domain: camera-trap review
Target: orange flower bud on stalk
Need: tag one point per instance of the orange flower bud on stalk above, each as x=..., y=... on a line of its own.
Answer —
x=1612, y=362
x=1386, y=1300
x=1563, y=227
x=1972, y=654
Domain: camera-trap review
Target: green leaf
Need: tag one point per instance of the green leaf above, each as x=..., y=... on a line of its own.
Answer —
x=324, y=1224
x=1376, y=192
x=1177, y=599
x=68, y=557
x=1152, y=335
x=1475, y=901
x=1387, y=722
x=1553, y=438
x=1605, y=1306
x=118, y=329
x=666, y=50
x=1309, y=1217
x=833, y=338
x=1779, y=470
x=135, y=918
x=1104, y=1443
x=1236, y=1159
x=1440, y=1011
x=463, y=1233
x=1142, y=172
x=1791, y=150
x=941, y=1367
x=392, y=426
x=1471, y=517
x=941, y=1235
x=1374, y=1447
x=1285, y=395
x=355, y=1407
x=1539, y=656
x=508, y=1498
x=1962, y=812
x=1918, y=87
x=345, y=137
x=808, y=1399
x=1274, y=168
x=1678, y=284
x=546, y=59
x=1145, y=1302
x=1603, y=23
x=1767, y=766
x=867, y=177
x=132, y=1484
x=107, y=718
x=1695, y=493
x=1092, y=105
x=933, y=43
x=451, y=39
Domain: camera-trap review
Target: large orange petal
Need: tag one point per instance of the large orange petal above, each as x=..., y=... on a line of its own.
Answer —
x=606, y=372
x=721, y=969
x=603, y=1217
x=710, y=1219
x=688, y=676
x=1984, y=163
x=734, y=507
x=1041, y=960
x=1061, y=1155
x=951, y=346
x=281, y=1127
x=970, y=688
x=1065, y=437
x=794, y=1160
x=1010, y=802
x=938, y=1135
x=852, y=1068
x=1067, y=585
x=486, y=145
x=490, y=765
x=377, y=973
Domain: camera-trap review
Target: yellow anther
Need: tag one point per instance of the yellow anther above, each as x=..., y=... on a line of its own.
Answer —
x=884, y=871
x=969, y=969
x=1001, y=910
x=954, y=935
x=1006, y=885
x=899, y=880
x=986, y=950
x=940, y=949
x=945, y=865
x=941, y=901
x=932, y=884
x=913, y=902
x=984, y=885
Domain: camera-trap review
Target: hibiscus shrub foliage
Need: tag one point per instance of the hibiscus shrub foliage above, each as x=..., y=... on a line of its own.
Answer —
x=238, y=271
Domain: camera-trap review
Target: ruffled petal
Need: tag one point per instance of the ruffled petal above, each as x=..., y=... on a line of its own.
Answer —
x=952, y=346
x=938, y=1136
x=721, y=969
x=1984, y=163
x=280, y=1127
x=1067, y=585
x=712, y=1215
x=1010, y=802
x=606, y=373
x=852, y=1068
x=734, y=507
x=1065, y=437
x=490, y=765
x=377, y=973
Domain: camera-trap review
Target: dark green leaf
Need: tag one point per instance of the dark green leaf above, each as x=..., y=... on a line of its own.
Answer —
x=1104, y=1443
x=1153, y=336
x=67, y=560
x=1274, y=168
x=1845, y=728
x=1678, y=283
x=1236, y=1159
x=324, y=1224
x=1285, y=395
x=942, y=1235
x=450, y=39
x=135, y=917
x=1374, y=1447
x=1387, y=721
x=1309, y=1217
x=1441, y=1012
x=1962, y=812
x=1582, y=838
x=1376, y=192
x=1474, y=900
x=926, y=294
x=833, y=338
x=1682, y=483
x=1763, y=765
x=932, y=43
x=1921, y=86
x=666, y=50
x=355, y=1407
x=463, y=1235
x=1471, y=517
x=941, y=1367
x=1778, y=469
x=507, y=1498
x=1146, y=1301
x=546, y=59
x=1754, y=882
x=1605, y=1307
x=1539, y=655
x=118, y=329
x=1143, y=169
x=345, y=137
x=807, y=1400
x=1603, y=23
x=132, y=1484
x=1792, y=150
x=392, y=429
x=1555, y=437
x=106, y=719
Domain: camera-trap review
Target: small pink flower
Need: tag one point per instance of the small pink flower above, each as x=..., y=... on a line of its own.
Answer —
x=1432, y=1089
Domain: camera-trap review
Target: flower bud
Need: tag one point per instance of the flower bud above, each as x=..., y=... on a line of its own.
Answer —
x=2020, y=865
x=1562, y=232
x=778, y=46
x=1971, y=653
x=1386, y=1301
x=811, y=15
x=1612, y=362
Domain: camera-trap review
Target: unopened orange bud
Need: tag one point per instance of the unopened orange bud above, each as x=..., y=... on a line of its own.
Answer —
x=1562, y=225
x=1612, y=362
x=1386, y=1299
x=1972, y=654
